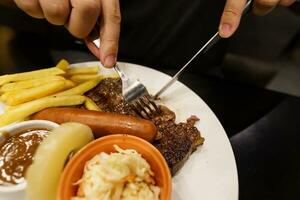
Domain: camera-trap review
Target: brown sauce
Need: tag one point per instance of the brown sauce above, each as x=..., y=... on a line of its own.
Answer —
x=16, y=154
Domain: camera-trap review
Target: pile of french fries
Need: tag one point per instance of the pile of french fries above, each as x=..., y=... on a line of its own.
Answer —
x=29, y=92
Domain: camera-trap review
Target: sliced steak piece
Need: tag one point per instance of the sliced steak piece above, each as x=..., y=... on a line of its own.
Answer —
x=176, y=142
x=108, y=96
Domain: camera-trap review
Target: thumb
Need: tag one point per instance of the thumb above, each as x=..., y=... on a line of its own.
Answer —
x=231, y=17
x=110, y=32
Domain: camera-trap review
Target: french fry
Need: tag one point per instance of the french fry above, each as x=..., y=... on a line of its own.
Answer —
x=89, y=104
x=85, y=77
x=69, y=84
x=24, y=110
x=30, y=75
x=30, y=83
x=82, y=70
x=4, y=97
x=81, y=89
x=111, y=75
x=8, y=108
x=20, y=96
x=63, y=64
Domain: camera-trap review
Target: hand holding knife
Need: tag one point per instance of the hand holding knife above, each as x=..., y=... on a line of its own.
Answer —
x=211, y=42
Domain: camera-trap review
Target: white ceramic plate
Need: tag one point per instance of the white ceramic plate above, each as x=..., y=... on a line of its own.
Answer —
x=210, y=173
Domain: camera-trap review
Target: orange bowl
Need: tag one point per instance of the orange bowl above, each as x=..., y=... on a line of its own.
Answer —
x=74, y=169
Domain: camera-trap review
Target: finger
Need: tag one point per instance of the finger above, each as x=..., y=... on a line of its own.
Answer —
x=56, y=11
x=110, y=32
x=83, y=17
x=263, y=7
x=286, y=2
x=31, y=7
x=231, y=17
x=92, y=47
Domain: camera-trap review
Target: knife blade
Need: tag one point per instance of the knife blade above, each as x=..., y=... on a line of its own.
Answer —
x=208, y=45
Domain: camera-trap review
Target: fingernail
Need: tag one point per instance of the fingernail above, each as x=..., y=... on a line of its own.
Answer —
x=225, y=30
x=110, y=61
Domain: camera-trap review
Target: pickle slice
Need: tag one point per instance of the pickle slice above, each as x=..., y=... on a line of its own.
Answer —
x=50, y=157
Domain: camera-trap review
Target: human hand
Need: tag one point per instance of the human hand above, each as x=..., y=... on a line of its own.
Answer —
x=80, y=17
x=233, y=11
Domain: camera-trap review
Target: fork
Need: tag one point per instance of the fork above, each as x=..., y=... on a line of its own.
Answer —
x=133, y=91
x=136, y=94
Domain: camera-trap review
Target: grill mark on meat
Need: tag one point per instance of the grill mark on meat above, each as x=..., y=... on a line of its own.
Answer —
x=107, y=95
x=176, y=142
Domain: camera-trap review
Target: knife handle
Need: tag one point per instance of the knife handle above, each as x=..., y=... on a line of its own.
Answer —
x=248, y=7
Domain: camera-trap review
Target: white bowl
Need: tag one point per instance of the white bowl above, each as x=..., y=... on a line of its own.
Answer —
x=17, y=192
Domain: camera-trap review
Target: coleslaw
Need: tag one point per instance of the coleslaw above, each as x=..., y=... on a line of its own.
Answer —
x=124, y=175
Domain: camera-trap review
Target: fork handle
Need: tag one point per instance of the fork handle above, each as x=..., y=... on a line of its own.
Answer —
x=96, y=42
x=120, y=72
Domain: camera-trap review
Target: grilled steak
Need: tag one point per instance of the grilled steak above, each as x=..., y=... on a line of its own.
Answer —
x=108, y=96
x=175, y=141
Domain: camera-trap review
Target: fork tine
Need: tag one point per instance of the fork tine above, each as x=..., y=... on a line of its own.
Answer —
x=147, y=106
x=150, y=105
x=156, y=109
x=140, y=109
x=134, y=92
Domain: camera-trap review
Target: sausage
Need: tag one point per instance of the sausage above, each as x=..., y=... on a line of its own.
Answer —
x=102, y=123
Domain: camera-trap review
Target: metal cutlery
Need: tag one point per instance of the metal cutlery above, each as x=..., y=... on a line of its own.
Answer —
x=210, y=43
x=135, y=93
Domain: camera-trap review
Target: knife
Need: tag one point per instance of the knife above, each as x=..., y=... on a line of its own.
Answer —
x=209, y=44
